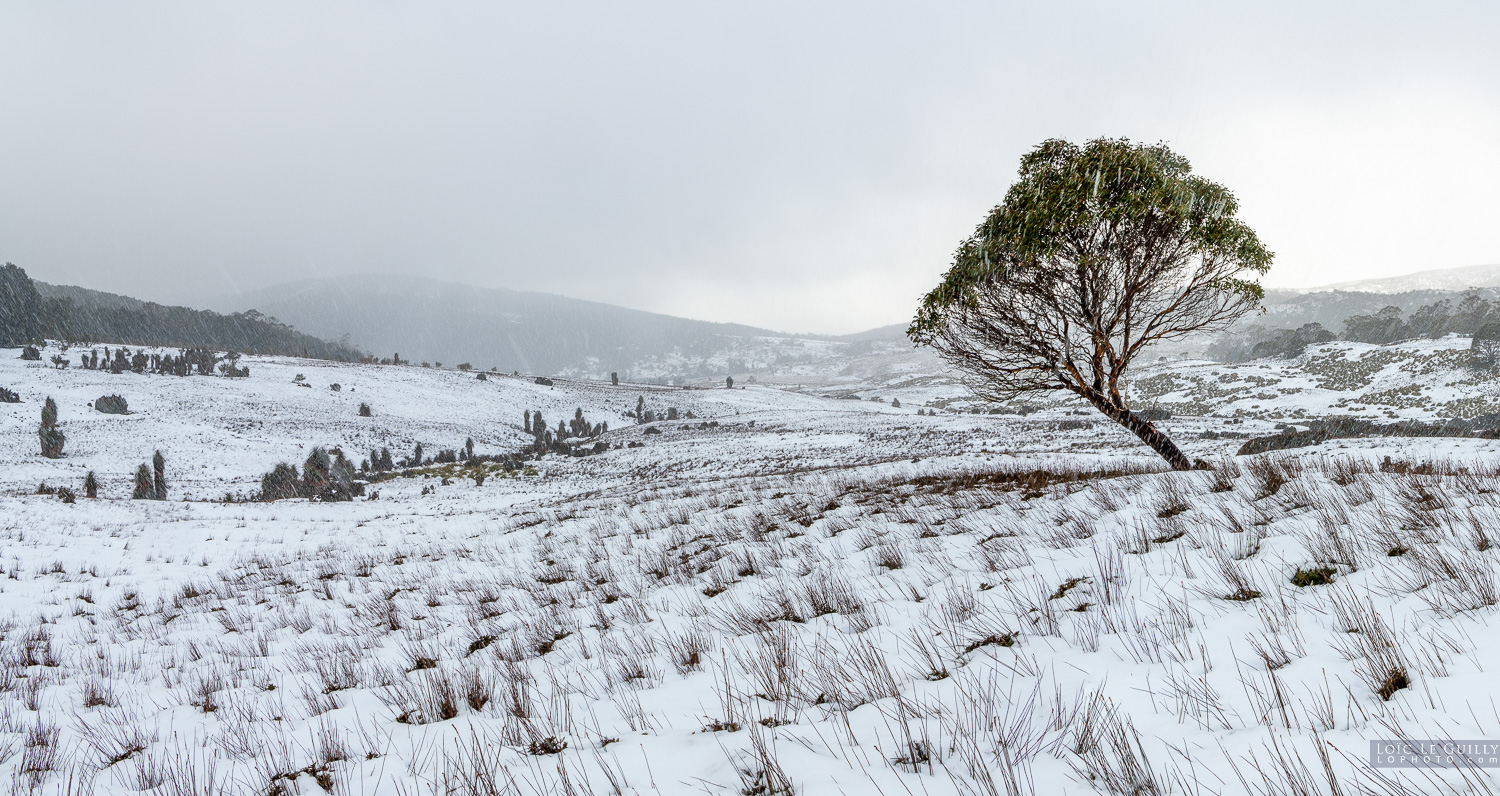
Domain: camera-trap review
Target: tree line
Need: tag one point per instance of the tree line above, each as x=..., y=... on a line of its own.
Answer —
x=26, y=317
x=1469, y=317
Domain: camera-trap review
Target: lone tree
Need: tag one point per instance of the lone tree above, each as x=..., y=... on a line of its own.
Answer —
x=1097, y=252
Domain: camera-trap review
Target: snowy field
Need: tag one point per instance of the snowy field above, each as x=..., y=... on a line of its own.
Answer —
x=783, y=594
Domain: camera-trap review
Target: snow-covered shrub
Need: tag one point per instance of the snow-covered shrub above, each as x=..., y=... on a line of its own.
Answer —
x=51, y=437
x=281, y=483
x=111, y=405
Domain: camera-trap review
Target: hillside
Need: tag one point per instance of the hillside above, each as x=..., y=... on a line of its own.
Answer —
x=428, y=320
x=785, y=593
x=31, y=311
x=1448, y=279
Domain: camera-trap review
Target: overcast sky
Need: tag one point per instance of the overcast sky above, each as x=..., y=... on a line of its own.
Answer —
x=800, y=166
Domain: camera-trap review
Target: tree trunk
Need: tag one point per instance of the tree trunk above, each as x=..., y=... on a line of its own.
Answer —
x=1147, y=433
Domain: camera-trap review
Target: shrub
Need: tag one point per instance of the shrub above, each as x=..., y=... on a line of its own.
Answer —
x=111, y=405
x=31, y=354
x=91, y=485
x=159, y=479
x=316, y=472
x=143, y=488
x=8, y=396
x=364, y=410
x=51, y=437
x=544, y=381
x=281, y=483
x=1318, y=576
x=336, y=387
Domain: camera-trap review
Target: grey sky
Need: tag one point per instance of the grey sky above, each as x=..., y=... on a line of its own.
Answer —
x=806, y=167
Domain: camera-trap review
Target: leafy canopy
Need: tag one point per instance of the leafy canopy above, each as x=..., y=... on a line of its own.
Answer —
x=1096, y=251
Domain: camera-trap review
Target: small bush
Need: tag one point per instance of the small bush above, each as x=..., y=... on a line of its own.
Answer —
x=1318, y=576
x=111, y=405
x=548, y=746
x=364, y=410
x=281, y=483
x=1395, y=681
x=50, y=436
x=31, y=354
x=544, y=381
x=144, y=489
x=9, y=397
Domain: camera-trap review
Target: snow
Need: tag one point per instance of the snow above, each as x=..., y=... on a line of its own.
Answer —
x=868, y=620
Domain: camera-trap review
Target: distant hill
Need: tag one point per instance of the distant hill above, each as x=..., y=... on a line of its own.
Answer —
x=427, y=320
x=1456, y=279
x=31, y=310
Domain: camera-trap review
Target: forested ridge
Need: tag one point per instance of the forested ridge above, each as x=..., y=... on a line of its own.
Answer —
x=32, y=311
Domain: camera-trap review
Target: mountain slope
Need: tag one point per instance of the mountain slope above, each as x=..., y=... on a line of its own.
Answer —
x=1437, y=279
x=428, y=320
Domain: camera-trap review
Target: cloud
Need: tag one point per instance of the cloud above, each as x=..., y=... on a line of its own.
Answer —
x=788, y=165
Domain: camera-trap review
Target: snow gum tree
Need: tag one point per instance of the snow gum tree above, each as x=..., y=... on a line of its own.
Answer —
x=1097, y=251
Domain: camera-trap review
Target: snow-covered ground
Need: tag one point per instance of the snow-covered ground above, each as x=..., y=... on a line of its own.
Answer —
x=785, y=592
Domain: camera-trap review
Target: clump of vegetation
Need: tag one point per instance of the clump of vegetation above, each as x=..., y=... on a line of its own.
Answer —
x=31, y=354
x=143, y=488
x=91, y=485
x=364, y=410
x=327, y=476
x=159, y=476
x=51, y=437
x=281, y=483
x=1317, y=576
x=9, y=396
x=1395, y=681
x=111, y=405
x=151, y=482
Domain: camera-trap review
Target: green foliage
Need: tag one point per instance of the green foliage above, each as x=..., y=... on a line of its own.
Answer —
x=1317, y=576
x=1097, y=202
x=1097, y=252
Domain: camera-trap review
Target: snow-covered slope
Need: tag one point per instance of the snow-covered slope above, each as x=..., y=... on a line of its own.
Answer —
x=786, y=593
x=1419, y=379
x=1438, y=279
